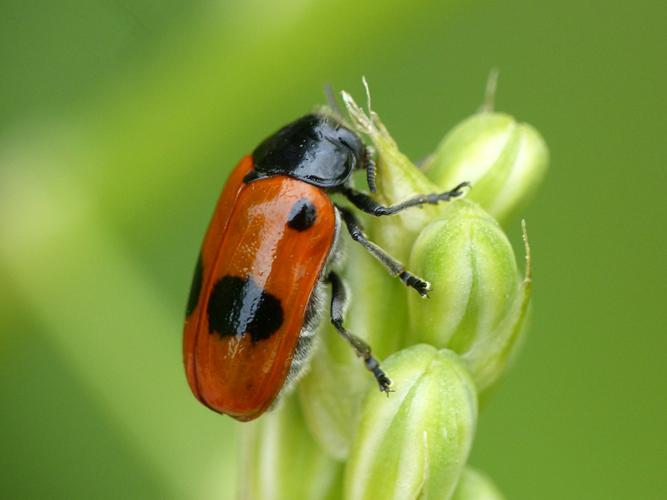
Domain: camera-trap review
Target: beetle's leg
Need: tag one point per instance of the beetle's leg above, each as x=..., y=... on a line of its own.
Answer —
x=394, y=267
x=361, y=348
x=364, y=202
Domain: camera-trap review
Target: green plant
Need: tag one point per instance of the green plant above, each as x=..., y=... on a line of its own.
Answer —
x=337, y=436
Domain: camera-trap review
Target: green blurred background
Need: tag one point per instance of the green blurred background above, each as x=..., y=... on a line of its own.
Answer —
x=118, y=123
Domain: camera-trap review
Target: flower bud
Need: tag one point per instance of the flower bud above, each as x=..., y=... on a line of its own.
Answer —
x=474, y=485
x=470, y=263
x=415, y=442
x=504, y=160
x=490, y=354
x=476, y=295
x=281, y=460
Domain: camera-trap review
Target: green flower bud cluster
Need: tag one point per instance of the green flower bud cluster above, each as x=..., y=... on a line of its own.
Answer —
x=504, y=160
x=337, y=436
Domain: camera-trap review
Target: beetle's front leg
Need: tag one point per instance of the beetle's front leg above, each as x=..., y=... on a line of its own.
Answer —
x=364, y=202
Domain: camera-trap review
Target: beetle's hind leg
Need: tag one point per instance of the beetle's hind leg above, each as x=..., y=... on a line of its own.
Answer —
x=394, y=267
x=361, y=348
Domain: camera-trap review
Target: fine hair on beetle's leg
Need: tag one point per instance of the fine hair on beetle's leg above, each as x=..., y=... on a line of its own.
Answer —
x=364, y=202
x=394, y=267
x=361, y=348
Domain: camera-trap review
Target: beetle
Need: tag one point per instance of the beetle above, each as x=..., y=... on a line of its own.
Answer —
x=254, y=301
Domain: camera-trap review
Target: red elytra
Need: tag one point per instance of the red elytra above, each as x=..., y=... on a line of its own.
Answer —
x=249, y=237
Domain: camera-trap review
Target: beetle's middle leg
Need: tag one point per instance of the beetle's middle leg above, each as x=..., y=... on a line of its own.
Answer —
x=394, y=267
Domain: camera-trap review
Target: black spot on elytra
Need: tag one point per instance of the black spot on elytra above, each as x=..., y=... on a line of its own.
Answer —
x=195, y=288
x=238, y=306
x=302, y=215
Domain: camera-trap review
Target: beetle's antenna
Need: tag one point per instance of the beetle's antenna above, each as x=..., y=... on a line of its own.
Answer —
x=370, y=169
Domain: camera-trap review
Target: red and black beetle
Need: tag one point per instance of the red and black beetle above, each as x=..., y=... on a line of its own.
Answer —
x=252, y=310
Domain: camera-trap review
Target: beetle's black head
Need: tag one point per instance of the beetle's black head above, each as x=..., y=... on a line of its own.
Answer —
x=315, y=148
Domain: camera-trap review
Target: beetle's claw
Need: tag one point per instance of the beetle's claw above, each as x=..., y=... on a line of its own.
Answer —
x=423, y=287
